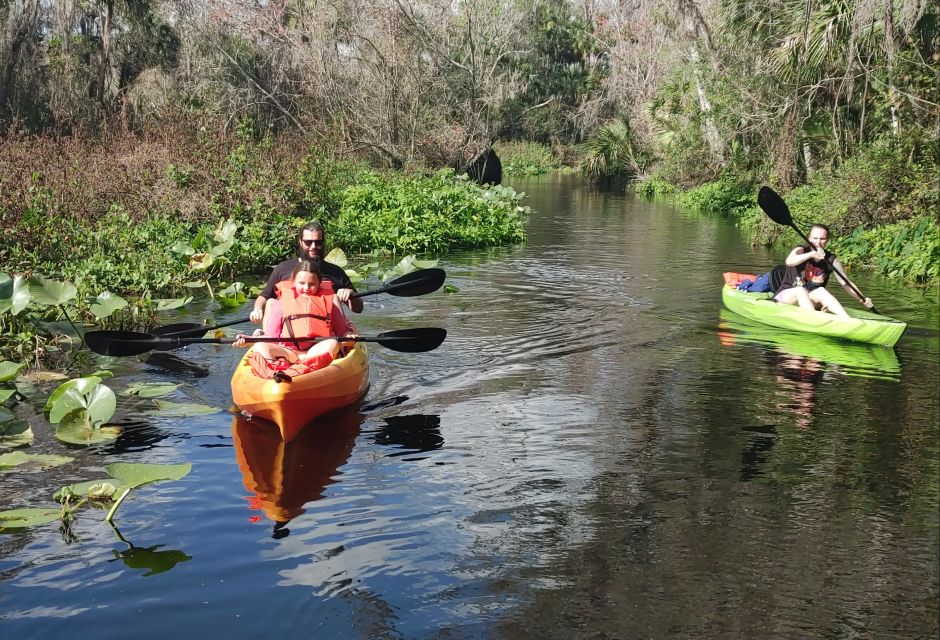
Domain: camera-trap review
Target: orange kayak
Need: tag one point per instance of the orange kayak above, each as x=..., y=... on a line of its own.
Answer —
x=292, y=405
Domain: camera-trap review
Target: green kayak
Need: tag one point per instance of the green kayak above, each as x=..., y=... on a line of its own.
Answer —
x=852, y=358
x=862, y=326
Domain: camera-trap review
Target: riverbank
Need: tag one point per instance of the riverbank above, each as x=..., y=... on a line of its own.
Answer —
x=155, y=218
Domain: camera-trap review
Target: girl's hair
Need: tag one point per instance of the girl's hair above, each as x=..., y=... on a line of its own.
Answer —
x=817, y=225
x=309, y=266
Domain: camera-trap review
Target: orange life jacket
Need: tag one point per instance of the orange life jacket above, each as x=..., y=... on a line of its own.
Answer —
x=307, y=315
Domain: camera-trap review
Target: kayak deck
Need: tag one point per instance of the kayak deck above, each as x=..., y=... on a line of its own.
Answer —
x=861, y=326
x=292, y=405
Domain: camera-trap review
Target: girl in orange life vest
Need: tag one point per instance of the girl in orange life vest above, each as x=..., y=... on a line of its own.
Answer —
x=808, y=269
x=309, y=308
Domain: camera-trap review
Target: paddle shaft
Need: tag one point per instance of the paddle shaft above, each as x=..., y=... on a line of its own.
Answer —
x=411, y=284
x=838, y=271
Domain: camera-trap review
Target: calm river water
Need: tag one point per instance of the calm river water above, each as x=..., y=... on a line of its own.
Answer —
x=596, y=451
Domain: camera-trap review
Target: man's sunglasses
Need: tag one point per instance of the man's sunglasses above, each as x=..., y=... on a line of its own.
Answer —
x=306, y=242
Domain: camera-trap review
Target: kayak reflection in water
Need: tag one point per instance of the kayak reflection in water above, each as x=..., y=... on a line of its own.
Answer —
x=797, y=379
x=807, y=274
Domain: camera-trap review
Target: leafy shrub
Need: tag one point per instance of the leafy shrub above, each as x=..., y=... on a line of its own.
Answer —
x=725, y=195
x=909, y=249
x=426, y=215
x=520, y=158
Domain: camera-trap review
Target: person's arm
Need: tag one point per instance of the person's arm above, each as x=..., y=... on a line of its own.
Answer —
x=798, y=257
x=849, y=286
x=257, y=312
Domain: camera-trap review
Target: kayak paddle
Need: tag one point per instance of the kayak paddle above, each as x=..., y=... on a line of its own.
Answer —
x=132, y=343
x=416, y=283
x=774, y=206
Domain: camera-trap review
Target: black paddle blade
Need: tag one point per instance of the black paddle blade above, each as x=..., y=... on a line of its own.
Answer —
x=119, y=343
x=774, y=206
x=412, y=340
x=417, y=283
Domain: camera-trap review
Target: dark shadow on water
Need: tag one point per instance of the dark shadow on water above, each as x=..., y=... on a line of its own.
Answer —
x=411, y=434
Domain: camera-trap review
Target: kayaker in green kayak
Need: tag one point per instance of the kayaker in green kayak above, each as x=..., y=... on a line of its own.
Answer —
x=807, y=274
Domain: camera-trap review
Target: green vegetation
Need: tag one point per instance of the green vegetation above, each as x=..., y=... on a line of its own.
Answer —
x=520, y=158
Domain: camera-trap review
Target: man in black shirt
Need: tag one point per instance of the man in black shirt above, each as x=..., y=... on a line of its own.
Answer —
x=311, y=245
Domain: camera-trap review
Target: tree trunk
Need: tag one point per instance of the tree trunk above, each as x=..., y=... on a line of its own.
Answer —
x=715, y=144
x=22, y=24
x=891, y=49
x=785, y=169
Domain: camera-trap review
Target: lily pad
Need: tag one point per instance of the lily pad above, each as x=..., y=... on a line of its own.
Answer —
x=8, y=369
x=81, y=385
x=182, y=247
x=195, y=284
x=75, y=428
x=150, y=389
x=165, y=304
x=6, y=394
x=102, y=489
x=425, y=264
x=183, y=409
x=226, y=231
x=15, y=433
x=51, y=292
x=14, y=459
x=200, y=261
x=14, y=295
x=13, y=519
x=34, y=460
x=137, y=474
x=337, y=256
x=106, y=304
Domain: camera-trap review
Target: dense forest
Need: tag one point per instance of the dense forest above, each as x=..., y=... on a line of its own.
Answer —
x=131, y=104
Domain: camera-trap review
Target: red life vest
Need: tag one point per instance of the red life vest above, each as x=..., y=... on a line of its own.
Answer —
x=307, y=315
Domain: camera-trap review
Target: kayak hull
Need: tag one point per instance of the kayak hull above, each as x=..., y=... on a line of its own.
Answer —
x=292, y=405
x=861, y=326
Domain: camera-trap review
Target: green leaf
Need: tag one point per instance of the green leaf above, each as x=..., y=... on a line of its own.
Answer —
x=51, y=292
x=165, y=304
x=106, y=304
x=101, y=404
x=337, y=256
x=16, y=433
x=81, y=385
x=226, y=232
x=75, y=428
x=183, y=248
x=14, y=459
x=425, y=264
x=13, y=519
x=133, y=475
x=8, y=370
x=92, y=489
x=103, y=373
x=150, y=389
x=195, y=284
x=6, y=394
x=220, y=249
x=14, y=296
x=39, y=460
x=183, y=409
x=200, y=261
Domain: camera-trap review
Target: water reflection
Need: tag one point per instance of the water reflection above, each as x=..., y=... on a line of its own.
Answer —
x=412, y=434
x=285, y=476
x=154, y=559
x=848, y=358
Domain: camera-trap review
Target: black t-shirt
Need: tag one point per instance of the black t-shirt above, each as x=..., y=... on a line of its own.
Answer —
x=815, y=273
x=330, y=272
